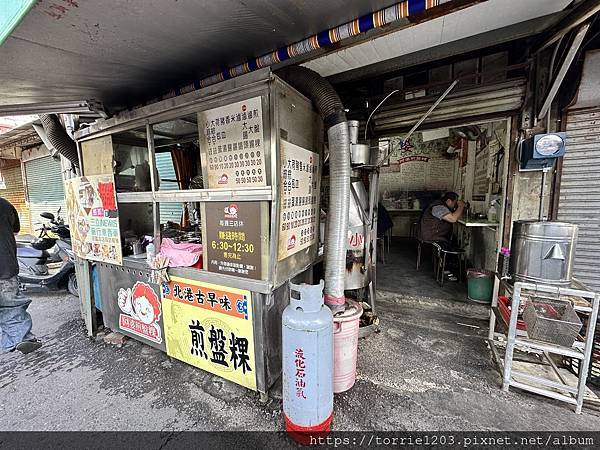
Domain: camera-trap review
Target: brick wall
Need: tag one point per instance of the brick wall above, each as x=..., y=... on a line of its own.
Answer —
x=15, y=192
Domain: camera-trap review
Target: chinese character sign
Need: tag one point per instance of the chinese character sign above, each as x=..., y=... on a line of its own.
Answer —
x=210, y=327
x=94, y=218
x=298, y=214
x=300, y=364
x=232, y=144
x=233, y=238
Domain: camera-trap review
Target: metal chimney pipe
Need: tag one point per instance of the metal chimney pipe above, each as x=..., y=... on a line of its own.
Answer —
x=320, y=91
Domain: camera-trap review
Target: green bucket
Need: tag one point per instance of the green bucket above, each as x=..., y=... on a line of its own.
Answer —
x=480, y=285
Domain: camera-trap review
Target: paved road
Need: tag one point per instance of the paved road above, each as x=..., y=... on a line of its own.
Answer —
x=426, y=370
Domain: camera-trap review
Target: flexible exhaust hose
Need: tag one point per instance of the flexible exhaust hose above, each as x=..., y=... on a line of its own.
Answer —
x=59, y=138
x=320, y=91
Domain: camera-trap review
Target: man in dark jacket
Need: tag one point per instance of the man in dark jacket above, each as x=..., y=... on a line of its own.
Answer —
x=15, y=321
x=436, y=222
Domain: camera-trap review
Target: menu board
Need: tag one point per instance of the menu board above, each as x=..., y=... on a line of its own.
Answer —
x=232, y=144
x=233, y=238
x=210, y=327
x=480, y=184
x=298, y=216
x=93, y=218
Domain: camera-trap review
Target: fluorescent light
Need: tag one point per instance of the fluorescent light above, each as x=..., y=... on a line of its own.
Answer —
x=77, y=107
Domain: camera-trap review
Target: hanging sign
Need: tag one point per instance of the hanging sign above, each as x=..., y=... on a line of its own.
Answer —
x=298, y=214
x=232, y=144
x=210, y=327
x=233, y=238
x=93, y=218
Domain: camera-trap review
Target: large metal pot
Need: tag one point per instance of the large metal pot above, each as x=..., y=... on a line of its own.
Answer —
x=357, y=274
x=543, y=252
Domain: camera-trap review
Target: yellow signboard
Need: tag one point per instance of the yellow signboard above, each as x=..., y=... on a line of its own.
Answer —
x=210, y=327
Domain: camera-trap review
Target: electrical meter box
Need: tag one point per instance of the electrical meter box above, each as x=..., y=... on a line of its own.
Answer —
x=540, y=151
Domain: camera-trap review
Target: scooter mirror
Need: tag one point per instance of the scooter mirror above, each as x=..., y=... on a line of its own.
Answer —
x=47, y=215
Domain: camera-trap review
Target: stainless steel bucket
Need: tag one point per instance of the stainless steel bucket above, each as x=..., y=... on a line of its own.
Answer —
x=360, y=154
x=543, y=252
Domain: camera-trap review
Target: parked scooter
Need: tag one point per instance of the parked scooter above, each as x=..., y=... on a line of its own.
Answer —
x=48, y=261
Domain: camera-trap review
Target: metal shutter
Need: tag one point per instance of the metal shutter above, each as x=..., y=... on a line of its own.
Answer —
x=397, y=114
x=580, y=193
x=166, y=172
x=45, y=191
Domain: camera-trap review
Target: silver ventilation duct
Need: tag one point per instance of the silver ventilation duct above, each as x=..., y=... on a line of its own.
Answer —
x=320, y=91
x=58, y=138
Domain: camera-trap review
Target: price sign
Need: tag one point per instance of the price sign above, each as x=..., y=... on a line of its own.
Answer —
x=232, y=144
x=298, y=218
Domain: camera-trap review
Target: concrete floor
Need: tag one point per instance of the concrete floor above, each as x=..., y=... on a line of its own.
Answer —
x=428, y=369
x=399, y=274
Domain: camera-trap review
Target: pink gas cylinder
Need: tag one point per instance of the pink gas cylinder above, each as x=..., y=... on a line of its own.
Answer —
x=345, y=345
x=307, y=346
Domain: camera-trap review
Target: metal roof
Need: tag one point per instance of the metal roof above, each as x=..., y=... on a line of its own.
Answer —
x=117, y=51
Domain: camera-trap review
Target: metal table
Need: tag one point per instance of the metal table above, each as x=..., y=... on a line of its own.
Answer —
x=582, y=349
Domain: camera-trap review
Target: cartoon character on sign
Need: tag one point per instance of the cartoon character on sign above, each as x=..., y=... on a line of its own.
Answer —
x=231, y=211
x=142, y=310
x=223, y=179
x=291, y=243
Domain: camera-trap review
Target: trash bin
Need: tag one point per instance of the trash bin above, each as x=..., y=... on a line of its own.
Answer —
x=480, y=284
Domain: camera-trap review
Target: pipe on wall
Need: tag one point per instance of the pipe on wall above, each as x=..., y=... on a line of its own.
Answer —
x=320, y=91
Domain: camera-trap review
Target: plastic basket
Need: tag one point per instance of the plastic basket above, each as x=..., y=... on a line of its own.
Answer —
x=505, y=310
x=553, y=321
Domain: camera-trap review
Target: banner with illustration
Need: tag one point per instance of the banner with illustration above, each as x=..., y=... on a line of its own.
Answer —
x=94, y=218
x=210, y=327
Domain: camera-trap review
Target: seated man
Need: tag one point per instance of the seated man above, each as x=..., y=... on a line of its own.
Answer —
x=436, y=222
x=437, y=219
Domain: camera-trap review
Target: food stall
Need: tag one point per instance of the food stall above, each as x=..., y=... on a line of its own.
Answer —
x=239, y=219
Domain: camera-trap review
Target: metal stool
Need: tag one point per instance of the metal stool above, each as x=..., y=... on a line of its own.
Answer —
x=388, y=239
x=420, y=250
x=381, y=254
x=414, y=226
x=441, y=262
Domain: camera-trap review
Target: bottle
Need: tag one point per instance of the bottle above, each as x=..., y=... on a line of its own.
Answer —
x=492, y=213
x=150, y=253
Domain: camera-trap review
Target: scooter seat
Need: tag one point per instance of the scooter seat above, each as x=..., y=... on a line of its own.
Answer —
x=29, y=252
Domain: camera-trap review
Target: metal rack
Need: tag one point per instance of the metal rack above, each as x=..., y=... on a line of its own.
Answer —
x=587, y=303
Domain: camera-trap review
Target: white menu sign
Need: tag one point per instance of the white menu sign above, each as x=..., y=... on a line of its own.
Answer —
x=298, y=215
x=232, y=144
